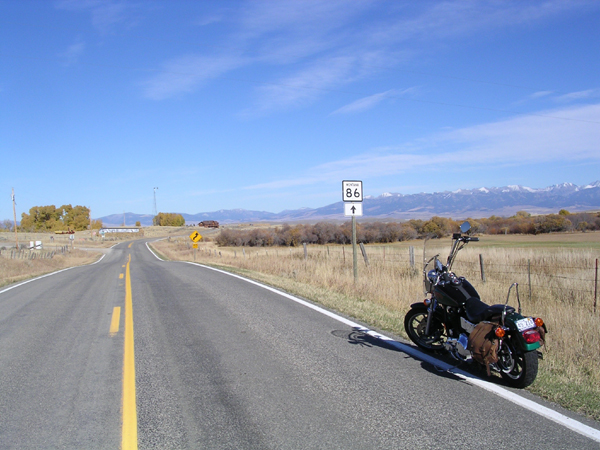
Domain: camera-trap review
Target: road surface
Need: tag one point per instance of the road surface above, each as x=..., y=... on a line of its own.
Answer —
x=221, y=363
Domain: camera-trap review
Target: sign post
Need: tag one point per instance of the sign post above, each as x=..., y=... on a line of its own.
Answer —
x=195, y=237
x=352, y=195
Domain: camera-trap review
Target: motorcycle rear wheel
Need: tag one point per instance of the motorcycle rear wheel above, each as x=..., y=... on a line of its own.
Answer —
x=518, y=369
x=415, y=323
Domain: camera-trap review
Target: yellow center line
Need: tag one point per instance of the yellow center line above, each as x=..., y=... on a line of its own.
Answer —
x=129, y=434
x=114, y=323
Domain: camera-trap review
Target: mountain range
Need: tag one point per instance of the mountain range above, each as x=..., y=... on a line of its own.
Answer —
x=463, y=203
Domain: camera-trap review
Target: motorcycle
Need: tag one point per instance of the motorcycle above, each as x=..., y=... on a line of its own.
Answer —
x=455, y=320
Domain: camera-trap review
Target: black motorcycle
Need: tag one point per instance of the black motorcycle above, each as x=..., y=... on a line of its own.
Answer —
x=454, y=319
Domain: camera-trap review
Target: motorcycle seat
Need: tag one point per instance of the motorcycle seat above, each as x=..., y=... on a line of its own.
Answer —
x=478, y=311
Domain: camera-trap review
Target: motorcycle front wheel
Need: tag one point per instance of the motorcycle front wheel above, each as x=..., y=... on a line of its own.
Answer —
x=519, y=369
x=415, y=324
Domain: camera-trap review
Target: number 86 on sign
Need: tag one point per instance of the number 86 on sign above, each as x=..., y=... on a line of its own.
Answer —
x=352, y=191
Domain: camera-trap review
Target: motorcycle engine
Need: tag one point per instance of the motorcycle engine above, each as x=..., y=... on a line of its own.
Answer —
x=458, y=347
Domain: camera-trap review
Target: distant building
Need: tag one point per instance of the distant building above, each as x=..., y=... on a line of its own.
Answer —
x=120, y=230
x=209, y=224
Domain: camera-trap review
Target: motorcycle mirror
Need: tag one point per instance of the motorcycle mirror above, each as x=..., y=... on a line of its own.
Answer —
x=465, y=227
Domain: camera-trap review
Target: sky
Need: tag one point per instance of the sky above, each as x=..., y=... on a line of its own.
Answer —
x=270, y=105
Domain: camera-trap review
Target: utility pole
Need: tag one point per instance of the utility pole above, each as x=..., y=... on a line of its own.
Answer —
x=15, y=217
x=155, y=210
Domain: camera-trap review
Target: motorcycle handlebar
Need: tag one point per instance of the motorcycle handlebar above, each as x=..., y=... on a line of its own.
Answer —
x=467, y=239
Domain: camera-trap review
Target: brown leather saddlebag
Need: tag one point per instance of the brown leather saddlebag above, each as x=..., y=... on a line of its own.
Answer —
x=483, y=344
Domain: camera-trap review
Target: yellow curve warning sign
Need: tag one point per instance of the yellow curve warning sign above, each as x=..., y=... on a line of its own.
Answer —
x=195, y=236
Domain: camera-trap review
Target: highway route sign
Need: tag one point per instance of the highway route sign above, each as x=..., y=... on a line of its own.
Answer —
x=353, y=209
x=195, y=236
x=352, y=191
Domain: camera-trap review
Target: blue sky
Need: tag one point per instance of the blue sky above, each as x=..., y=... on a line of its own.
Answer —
x=269, y=105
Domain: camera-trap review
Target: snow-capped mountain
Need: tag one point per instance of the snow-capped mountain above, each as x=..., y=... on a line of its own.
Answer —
x=462, y=203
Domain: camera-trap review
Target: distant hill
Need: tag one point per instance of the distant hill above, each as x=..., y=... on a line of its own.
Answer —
x=482, y=202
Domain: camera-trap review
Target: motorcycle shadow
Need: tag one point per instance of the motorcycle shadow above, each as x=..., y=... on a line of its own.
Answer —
x=362, y=339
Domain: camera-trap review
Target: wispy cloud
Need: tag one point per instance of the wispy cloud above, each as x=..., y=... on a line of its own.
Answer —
x=579, y=95
x=105, y=14
x=371, y=101
x=306, y=54
x=541, y=94
x=517, y=141
x=185, y=74
x=302, y=87
x=73, y=52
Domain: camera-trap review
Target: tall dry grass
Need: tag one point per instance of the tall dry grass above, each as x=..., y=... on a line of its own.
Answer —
x=13, y=270
x=562, y=293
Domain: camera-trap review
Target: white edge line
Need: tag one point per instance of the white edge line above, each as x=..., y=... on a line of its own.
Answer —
x=578, y=427
x=50, y=274
x=151, y=251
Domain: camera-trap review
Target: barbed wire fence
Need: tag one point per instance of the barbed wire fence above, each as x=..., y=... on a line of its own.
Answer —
x=577, y=284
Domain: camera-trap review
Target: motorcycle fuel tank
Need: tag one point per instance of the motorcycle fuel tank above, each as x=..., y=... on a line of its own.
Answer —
x=454, y=294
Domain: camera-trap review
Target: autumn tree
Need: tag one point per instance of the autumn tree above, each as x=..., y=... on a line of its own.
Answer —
x=6, y=225
x=51, y=218
x=168, y=220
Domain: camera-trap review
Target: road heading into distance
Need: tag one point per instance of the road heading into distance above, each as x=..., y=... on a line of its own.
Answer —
x=221, y=363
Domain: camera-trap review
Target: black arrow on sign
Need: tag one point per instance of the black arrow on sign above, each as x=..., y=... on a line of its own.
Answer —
x=353, y=209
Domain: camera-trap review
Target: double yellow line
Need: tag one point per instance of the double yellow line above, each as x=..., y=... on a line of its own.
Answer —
x=129, y=432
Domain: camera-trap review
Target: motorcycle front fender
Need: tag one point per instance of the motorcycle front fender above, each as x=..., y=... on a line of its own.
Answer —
x=418, y=305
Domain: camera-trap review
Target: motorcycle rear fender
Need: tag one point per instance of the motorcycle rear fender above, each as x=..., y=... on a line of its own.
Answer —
x=517, y=336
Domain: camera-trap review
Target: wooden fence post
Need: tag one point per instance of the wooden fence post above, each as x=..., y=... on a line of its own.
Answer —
x=305, y=251
x=596, y=286
x=411, y=255
x=364, y=253
x=529, y=276
x=482, y=268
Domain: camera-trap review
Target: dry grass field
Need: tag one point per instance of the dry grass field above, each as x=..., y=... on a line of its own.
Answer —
x=555, y=272
x=13, y=270
x=556, y=275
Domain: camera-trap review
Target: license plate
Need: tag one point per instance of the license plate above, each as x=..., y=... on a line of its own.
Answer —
x=525, y=324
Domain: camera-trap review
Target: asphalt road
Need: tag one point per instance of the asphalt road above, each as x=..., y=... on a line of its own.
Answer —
x=221, y=363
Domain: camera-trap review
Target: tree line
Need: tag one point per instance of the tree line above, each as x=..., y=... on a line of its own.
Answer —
x=51, y=218
x=387, y=232
x=76, y=218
